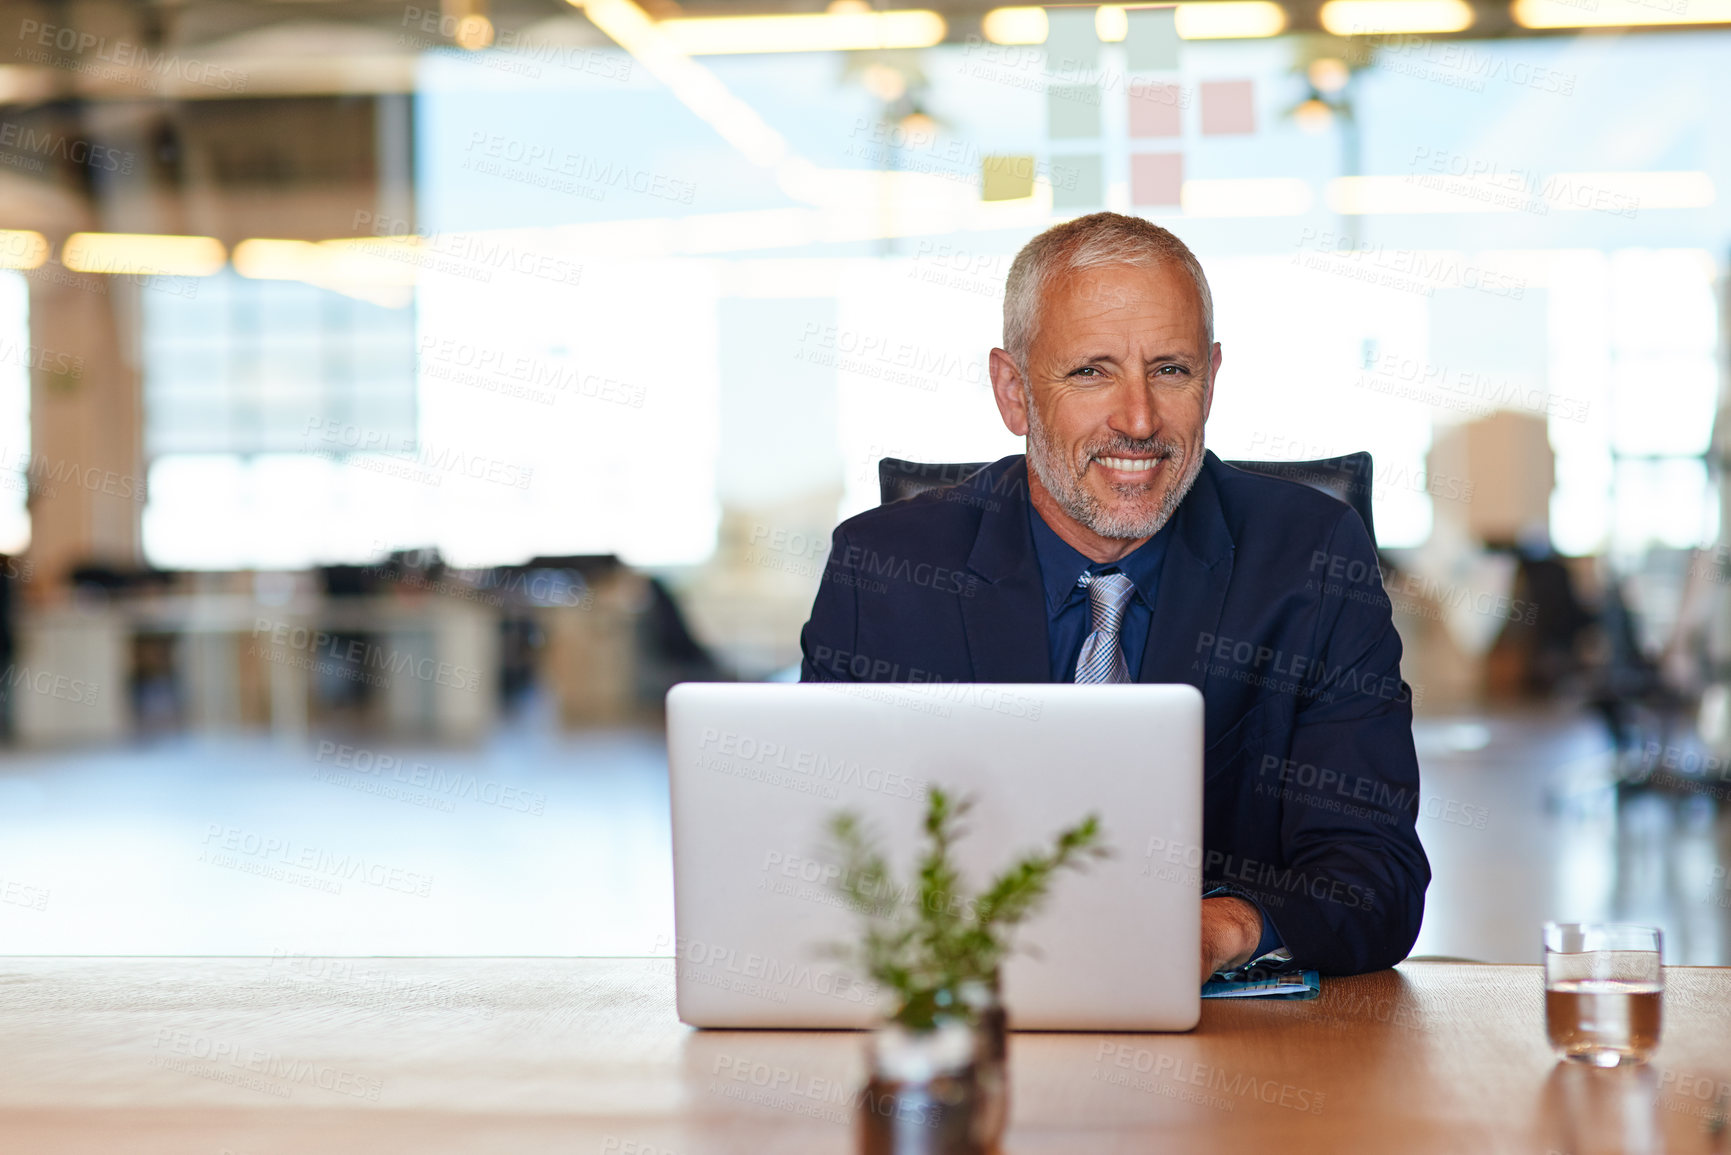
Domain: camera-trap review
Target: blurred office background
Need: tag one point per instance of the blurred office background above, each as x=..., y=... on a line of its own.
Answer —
x=396, y=398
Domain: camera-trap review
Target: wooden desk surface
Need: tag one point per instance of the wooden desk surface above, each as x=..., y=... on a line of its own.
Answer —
x=516, y=1056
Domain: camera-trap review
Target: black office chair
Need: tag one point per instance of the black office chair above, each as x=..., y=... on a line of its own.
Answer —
x=1346, y=478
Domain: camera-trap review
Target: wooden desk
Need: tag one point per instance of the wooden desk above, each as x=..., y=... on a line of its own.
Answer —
x=306, y=1057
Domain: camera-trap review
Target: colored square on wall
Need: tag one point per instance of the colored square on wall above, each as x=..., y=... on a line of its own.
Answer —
x=1228, y=107
x=1071, y=42
x=1155, y=111
x=1152, y=42
x=1006, y=178
x=1072, y=111
x=1156, y=178
x=1078, y=182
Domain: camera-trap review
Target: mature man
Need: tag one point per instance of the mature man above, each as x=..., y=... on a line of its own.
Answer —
x=1128, y=552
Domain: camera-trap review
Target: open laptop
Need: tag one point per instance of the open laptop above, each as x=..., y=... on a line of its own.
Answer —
x=757, y=771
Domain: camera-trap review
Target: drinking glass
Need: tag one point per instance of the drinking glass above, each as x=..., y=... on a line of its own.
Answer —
x=1603, y=991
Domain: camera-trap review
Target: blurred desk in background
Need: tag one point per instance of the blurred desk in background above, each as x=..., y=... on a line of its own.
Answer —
x=592, y=651
x=429, y=664
x=292, y=1055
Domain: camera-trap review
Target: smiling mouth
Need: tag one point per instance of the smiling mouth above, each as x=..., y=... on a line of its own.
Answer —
x=1130, y=464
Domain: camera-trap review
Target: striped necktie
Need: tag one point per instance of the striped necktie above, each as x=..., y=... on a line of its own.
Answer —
x=1102, y=658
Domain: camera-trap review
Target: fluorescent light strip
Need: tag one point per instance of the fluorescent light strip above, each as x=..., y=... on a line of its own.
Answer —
x=1383, y=17
x=262, y=259
x=1631, y=191
x=1619, y=13
x=1213, y=20
x=143, y=254
x=346, y=261
x=1230, y=20
x=22, y=249
x=1272, y=197
x=917, y=206
x=1422, y=193
x=1623, y=194
x=805, y=32
x=382, y=270
x=1111, y=23
x=1015, y=26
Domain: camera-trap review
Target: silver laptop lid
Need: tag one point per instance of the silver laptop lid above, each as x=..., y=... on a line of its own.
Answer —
x=757, y=771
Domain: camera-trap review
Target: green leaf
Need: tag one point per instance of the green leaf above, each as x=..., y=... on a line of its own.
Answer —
x=922, y=940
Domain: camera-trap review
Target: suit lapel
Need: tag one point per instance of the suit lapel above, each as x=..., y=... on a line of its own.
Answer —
x=1193, y=581
x=1005, y=619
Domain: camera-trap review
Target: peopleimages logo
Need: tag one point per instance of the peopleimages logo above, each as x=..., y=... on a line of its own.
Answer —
x=172, y=1044
x=155, y=63
x=1261, y=665
x=60, y=147
x=473, y=255
x=1177, y=1070
x=315, y=860
x=448, y=357
x=19, y=894
x=776, y=974
x=446, y=784
x=356, y=652
x=50, y=685
x=730, y=750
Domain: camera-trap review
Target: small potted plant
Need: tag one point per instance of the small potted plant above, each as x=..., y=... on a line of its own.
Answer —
x=938, y=1080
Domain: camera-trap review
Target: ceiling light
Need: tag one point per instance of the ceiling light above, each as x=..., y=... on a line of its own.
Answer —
x=1313, y=116
x=1111, y=23
x=805, y=32
x=918, y=126
x=474, y=32
x=382, y=270
x=1328, y=74
x=884, y=82
x=388, y=260
x=271, y=260
x=1616, y=13
x=1230, y=20
x=23, y=84
x=1014, y=26
x=145, y=254
x=1623, y=194
x=1253, y=197
x=1213, y=20
x=1385, y=17
x=1627, y=193
x=1418, y=193
x=22, y=249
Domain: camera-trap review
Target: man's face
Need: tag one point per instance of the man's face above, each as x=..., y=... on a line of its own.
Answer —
x=1119, y=381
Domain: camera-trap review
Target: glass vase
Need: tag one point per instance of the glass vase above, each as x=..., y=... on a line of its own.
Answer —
x=922, y=1096
x=984, y=1011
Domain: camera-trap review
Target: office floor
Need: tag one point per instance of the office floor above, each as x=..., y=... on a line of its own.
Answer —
x=1522, y=824
x=538, y=844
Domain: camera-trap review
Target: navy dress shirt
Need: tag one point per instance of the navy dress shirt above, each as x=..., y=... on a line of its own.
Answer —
x=1069, y=620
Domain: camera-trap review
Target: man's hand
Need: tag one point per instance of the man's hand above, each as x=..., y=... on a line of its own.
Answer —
x=1231, y=928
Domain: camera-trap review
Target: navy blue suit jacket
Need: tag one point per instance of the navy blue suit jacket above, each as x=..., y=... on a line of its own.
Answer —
x=1270, y=603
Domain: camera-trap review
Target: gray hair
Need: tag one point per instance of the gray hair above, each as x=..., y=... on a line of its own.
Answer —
x=1090, y=242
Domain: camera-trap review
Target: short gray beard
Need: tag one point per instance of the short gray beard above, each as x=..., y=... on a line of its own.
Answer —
x=1063, y=480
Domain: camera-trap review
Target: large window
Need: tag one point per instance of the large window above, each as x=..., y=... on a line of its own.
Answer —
x=238, y=366
x=625, y=323
x=1635, y=336
x=275, y=415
